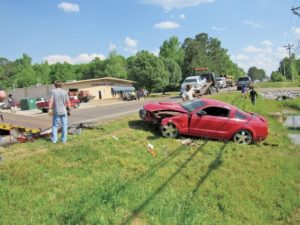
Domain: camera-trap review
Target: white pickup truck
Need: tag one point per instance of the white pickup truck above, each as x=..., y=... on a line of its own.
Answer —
x=197, y=82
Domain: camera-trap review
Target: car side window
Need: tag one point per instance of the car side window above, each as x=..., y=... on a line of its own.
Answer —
x=216, y=111
x=239, y=115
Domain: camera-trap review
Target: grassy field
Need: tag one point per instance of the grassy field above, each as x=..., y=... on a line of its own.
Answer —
x=106, y=176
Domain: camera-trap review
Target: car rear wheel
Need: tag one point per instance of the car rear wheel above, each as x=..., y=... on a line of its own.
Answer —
x=243, y=137
x=169, y=130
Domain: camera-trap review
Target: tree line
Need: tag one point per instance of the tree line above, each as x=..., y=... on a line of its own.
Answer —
x=155, y=73
x=288, y=70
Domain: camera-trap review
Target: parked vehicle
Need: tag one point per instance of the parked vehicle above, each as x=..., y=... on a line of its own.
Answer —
x=129, y=96
x=229, y=81
x=243, y=81
x=197, y=82
x=40, y=100
x=4, y=105
x=221, y=82
x=207, y=118
x=75, y=103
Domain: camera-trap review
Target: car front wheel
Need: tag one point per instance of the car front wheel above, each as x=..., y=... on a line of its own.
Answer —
x=243, y=137
x=169, y=130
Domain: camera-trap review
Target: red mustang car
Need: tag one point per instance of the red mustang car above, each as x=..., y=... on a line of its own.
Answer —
x=207, y=118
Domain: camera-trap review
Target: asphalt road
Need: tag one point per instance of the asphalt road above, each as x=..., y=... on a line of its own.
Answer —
x=103, y=112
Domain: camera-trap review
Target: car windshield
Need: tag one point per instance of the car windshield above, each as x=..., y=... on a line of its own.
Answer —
x=190, y=81
x=218, y=79
x=192, y=105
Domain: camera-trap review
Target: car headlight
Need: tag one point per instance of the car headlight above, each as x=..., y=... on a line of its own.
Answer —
x=142, y=113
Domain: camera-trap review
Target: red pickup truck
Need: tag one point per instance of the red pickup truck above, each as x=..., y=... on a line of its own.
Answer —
x=75, y=103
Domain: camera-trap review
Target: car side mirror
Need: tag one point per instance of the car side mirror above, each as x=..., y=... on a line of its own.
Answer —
x=201, y=113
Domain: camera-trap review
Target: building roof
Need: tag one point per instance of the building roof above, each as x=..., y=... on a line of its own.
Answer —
x=101, y=79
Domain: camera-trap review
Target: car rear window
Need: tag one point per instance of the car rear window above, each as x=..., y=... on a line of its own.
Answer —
x=244, y=79
x=190, y=81
x=240, y=115
x=192, y=105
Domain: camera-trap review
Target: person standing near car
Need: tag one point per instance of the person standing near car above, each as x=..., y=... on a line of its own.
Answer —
x=57, y=108
x=12, y=103
x=244, y=91
x=253, y=96
x=189, y=94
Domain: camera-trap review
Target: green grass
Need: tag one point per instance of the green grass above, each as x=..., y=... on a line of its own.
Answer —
x=96, y=179
x=277, y=84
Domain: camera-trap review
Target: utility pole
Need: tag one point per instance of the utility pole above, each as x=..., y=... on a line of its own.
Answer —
x=289, y=47
x=295, y=10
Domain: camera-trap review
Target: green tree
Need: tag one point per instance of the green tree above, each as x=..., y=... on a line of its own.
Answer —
x=277, y=76
x=174, y=71
x=24, y=75
x=42, y=73
x=7, y=71
x=203, y=51
x=148, y=71
x=256, y=74
x=96, y=69
x=115, y=66
x=62, y=72
x=171, y=49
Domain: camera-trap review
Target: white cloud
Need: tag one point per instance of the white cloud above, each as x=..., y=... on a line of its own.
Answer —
x=156, y=52
x=253, y=24
x=69, y=7
x=112, y=47
x=182, y=16
x=267, y=58
x=166, y=25
x=130, y=45
x=86, y=58
x=252, y=49
x=219, y=28
x=296, y=31
x=176, y=4
x=267, y=43
x=241, y=57
x=81, y=58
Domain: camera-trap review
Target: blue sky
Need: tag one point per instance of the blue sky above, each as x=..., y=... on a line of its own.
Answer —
x=254, y=31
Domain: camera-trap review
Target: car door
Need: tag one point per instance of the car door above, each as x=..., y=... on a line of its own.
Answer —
x=210, y=122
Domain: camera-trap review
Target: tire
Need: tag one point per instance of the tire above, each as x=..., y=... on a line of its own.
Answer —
x=169, y=130
x=44, y=110
x=243, y=137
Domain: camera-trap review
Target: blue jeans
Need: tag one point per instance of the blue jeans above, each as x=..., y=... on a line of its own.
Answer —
x=57, y=120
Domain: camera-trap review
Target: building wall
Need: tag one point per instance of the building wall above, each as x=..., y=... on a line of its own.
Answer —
x=94, y=87
x=31, y=92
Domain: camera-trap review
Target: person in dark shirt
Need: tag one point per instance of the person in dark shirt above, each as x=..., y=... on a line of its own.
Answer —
x=253, y=96
x=13, y=104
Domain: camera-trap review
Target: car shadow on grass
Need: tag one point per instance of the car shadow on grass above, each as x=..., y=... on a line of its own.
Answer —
x=141, y=125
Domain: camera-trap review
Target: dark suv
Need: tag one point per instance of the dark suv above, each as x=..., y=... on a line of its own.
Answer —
x=243, y=81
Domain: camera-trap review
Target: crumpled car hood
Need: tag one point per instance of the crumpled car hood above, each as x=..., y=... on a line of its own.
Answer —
x=170, y=106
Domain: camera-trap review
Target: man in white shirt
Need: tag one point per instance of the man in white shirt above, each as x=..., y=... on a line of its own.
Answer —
x=189, y=94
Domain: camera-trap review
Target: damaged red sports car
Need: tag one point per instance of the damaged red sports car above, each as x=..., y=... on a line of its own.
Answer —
x=207, y=118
